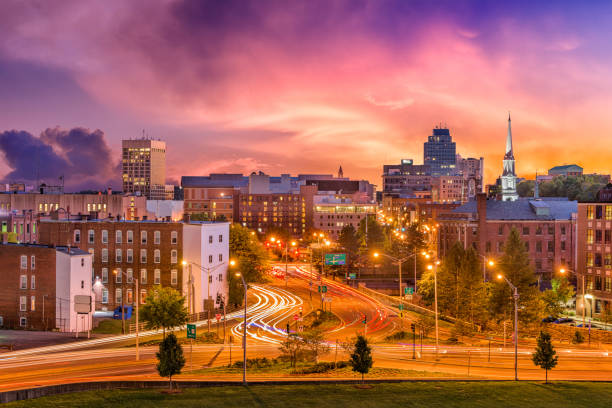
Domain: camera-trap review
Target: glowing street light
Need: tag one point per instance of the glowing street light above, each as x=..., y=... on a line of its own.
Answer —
x=516, y=298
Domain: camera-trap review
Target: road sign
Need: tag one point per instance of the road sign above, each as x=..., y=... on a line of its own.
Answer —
x=408, y=290
x=335, y=259
x=218, y=316
x=322, y=289
x=191, y=331
x=401, y=306
x=352, y=276
x=82, y=304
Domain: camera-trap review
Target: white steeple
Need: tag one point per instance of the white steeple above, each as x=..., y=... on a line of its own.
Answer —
x=508, y=177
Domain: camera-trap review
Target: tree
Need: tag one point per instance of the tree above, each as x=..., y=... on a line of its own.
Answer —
x=545, y=354
x=315, y=343
x=170, y=358
x=251, y=258
x=514, y=265
x=292, y=348
x=164, y=308
x=426, y=323
x=361, y=357
x=375, y=236
x=554, y=299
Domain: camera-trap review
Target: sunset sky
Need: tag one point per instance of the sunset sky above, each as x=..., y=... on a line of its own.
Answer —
x=301, y=86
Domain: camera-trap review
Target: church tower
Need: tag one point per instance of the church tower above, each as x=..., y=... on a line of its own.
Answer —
x=340, y=173
x=508, y=178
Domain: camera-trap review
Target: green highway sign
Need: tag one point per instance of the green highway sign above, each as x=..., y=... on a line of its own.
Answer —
x=191, y=331
x=335, y=259
x=401, y=306
x=408, y=291
x=322, y=289
x=352, y=276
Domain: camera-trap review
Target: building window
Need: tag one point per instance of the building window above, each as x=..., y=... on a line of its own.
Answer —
x=173, y=256
x=608, y=283
x=598, y=236
x=525, y=230
x=23, y=282
x=500, y=230
x=210, y=260
x=32, y=262
x=104, y=236
x=23, y=322
x=589, y=259
x=143, y=296
x=129, y=236
x=24, y=262
x=563, y=230
x=209, y=278
x=143, y=256
x=23, y=303
x=597, y=282
x=173, y=277
x=104, y=296
x=118, y=297
x=157, y=256
x=539, y=230
x=608, y=261
x=590, y=212
x=551, y=246
x=598, y=212
x=538, y=265
x=156, y=237
x=157, y=276
x=91, y=236
x=77, y=236
x=130, y=256
x=563, y=245
x=220, y=277
x=104, y=275
x=551, y=230
x=118, y=257
x=220, y=257
x=500, y=246
x=129, y=296
x=173, y=237
x=488, y=246
x=597, y=260
x=32, y=303
x=143, y=276
x=220, y=238
x=608, y=212
x=589, y=236
x=143, y=237
x=33, y=282
x=104, y=255
x=118, y=275
x=210, y=239
x=130, y=275
x=118, y=237
x=539, y=246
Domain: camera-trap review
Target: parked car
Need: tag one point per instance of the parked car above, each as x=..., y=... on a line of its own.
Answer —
x=562, y=320
x=549, y=319
x=127, y=312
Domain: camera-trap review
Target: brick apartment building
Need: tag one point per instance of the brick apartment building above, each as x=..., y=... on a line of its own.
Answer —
x=150, y=251
x=288, y=211
x=594, y=250
x=39, y=285
x=548, y=227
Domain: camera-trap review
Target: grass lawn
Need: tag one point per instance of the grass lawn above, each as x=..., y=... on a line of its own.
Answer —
x=434, y=394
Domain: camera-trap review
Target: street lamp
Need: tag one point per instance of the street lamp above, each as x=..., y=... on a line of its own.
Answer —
x=293, y=243
x=490, y=263
x=434, y=267
x=399, y=262
x=516, y=298
x=584, y=296
x=135, y=281
x=244, y=329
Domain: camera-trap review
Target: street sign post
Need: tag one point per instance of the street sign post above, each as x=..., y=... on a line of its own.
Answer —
x=408, y=290
x=335, y=259
x=191, y=331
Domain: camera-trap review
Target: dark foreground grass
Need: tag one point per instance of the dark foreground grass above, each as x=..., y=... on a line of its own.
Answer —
x=417, y=394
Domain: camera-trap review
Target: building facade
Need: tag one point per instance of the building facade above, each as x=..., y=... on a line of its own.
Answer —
x=40, y=285
x=332, y=217
x=439, y=153
x=547, y=226
x=405, y=179
x=144, y=167
x=594, y=261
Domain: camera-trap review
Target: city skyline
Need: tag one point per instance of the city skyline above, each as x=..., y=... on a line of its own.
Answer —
x=237, y=87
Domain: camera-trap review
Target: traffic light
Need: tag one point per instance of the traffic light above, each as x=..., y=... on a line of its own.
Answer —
x=287, y=328
x=412, y=327
x=365, y=319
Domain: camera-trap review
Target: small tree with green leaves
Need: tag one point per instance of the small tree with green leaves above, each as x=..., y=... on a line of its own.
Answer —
x=164, y=308
x=292, y=348
x=545, y=354
x=315, y=343
x=361, y=357
x=170, y=358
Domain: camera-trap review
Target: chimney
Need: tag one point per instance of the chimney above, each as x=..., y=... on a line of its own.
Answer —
x=481, y=213
x=187, y=218
x=144, y=217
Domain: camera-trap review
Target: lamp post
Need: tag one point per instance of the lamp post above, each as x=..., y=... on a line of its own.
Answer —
x=563, y=271
x=244, y=329
x=135, y=282
x=486, y=263
x=293, y=243
x=399, y=262
x=516, y=298
x=434, y=267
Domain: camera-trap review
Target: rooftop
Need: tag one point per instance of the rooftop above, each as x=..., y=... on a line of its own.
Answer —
x=548, y=208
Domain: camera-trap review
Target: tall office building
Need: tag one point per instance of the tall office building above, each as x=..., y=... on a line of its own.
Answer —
x=144, y=167
x=439, y=153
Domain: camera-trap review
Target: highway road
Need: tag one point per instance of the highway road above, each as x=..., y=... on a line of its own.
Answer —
x=271, y=307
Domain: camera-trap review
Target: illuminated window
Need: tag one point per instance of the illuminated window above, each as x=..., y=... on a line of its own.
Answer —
x=590, y=212
x=589, y=236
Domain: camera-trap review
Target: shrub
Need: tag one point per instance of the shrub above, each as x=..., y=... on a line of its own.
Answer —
x=578, y=338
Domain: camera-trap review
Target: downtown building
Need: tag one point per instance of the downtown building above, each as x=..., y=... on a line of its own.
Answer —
x=143, y=165
x=594, y=253
x=151, y=252
x=41, y=285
